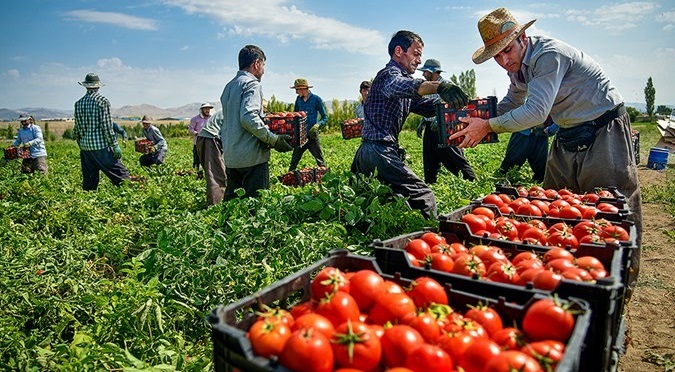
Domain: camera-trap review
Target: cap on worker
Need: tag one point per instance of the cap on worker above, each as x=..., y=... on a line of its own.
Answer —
x=431, y=65
x=205, y=105
x=91, y=81
x=498, y=29
x=146, y=119
x=301, y=83
x=24, y=117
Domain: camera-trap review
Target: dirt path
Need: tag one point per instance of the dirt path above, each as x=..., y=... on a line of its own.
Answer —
x=651, y=313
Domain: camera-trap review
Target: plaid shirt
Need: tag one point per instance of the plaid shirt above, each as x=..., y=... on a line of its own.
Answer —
x=392, y=97
x=93, y=124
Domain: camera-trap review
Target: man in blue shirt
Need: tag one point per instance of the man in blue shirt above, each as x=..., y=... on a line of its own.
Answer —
x=316, y=117
x=394, y=93
x=30, y=137
x=153, y=134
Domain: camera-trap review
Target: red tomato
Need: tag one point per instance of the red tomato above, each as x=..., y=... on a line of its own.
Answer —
x=529, y=210
x=427, y=325
x=485, y=211
x=425, y=291
x=391, y=287
x=551, y=194
x=584, y=228
x=608, y=208
x=478, y=355
x=524, y=265
x=590, y=213
x=418, y=248
x=502, y=273
x=427, y=357
x=506, y=210
x=474, y=222
x=559, y=265
x=339, y=308
x=536, y=234
x=508, y=338
x=527, y=276
x=560, y=226
x=355, y=345
x=578, y=274
x=522, y=256
x=441, y=262
x=542, y=205
x=557, y=252
x=570, y=212
x=545, y=353
x=307, y=350
x=459, y=248
x=468, y=265
x=492, y=255
x=507, y=229
x=268, y=337
x=487, y=317
x=547, y=280
x=536, y=191
x=397, y=342
x=456, y=343
x=513, y=360
x=562, y=239
x=328, y=281
x=365, y=286
x=506, y=198
x=433, y=238
x=301, y=309
x=414, y=261
x=615, y=232
x=493, y=199
x=277, y=314
x=590, y=198
x=547, y=320
x=392, y=307
x=316, y=321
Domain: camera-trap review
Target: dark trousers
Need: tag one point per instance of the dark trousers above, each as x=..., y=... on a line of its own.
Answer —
x=96, y=161
x=387, y=161
x=314, y=147
x=195, y=157
x=156, y=157
x=251, y=179
x=531, y=148
x=211, y=155
x=30, y=165
x=452, y=158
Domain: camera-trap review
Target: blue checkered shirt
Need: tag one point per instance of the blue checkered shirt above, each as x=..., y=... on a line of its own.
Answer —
x=393, y=95
x=314, y=108
x=93, y=124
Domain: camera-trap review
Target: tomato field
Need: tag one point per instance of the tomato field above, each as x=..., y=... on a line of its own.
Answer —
x=124, y=277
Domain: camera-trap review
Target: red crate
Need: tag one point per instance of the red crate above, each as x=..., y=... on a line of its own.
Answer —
x=352, y=128
x=144, y=146
x=449, y=124
x=293, y=124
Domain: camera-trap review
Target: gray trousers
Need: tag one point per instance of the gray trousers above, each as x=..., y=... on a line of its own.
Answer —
x=608, y=161
x=386, y=160
x=211, y=158
x=30, y=165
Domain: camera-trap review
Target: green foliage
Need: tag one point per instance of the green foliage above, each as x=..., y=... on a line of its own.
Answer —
x=274, y=105
x=632, y=113
x=9, y=132
x=664, y=110
x=466, y=81
x=650, y=96
x=340, y=111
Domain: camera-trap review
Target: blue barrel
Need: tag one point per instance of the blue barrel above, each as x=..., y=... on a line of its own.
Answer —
x=658, y=158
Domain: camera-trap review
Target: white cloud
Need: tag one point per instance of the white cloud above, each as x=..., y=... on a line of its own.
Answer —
x=274, y=19
x=668, y=28
x=668, y=17
x=14, y=73
x=112, y=18
x=614, y=17
x=111, y=64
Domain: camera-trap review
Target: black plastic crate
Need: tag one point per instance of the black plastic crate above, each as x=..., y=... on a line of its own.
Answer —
x=605, y=297
x=448, y=120
x=290, y=123
x=351, y=128
x=232, y=349
x=303, y=176
x=512, y=190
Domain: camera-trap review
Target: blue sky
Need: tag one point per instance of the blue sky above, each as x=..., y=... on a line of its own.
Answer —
x=169, y=53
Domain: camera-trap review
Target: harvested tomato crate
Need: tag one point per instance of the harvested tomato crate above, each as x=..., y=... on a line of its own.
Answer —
x=11, y=153
x=229, y=323
x=449, y=124
x=303, y=176
x=290, y=123
x=144, y=146
x=352, y=128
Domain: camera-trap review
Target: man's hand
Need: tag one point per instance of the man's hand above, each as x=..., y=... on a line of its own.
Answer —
x=117, y=151
x=434, y=125
x=26, y=144
x=313, y=131
x=474, y=132
x=453, y=95
x=282, y=143
x=420, y=129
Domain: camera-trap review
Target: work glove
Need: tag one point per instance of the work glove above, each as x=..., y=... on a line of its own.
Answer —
x=434, y=125
x=117, y=151
x=282, y=143
x=453, y=95
x=26, y=144
x=124, y=143
x=314, y=131
x=420, y=129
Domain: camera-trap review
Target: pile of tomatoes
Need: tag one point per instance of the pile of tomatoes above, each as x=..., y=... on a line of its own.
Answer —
x=352, y=128
x=489, y=262
x=303, y=176
x=285, y=122
x=360, y=321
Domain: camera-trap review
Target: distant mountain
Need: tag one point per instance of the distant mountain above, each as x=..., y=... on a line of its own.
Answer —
x=38, y=113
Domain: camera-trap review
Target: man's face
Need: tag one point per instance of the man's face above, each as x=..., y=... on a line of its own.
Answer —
x=511, y=57
x=206, y=111
x=146, y=125
x=364, y=94
x=302, y=92
x=410, y=58
x=259, y=69
x=25, y=123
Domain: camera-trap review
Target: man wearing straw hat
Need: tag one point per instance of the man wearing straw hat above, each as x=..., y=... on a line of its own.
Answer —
x=317, y=117
x=593, y=147
x=93, y=131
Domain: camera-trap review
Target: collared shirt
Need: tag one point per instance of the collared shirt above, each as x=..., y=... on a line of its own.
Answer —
x=93, y=125
x=212, y=127
x=153, y=134
x=196, y=124
x=32, y=135
x=246, y=140
x=314, y=108
x=393, y=95
x=557, y=79
x=119, y=130
x=359, y=111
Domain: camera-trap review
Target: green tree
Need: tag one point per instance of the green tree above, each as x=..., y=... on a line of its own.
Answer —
x=274, y=105
x=650, y=96
x=632, y=113
x=664, y=110
x=10, y=132
x=466, y=81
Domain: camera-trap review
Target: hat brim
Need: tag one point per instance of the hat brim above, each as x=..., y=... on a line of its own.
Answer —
x=302, y=86
x=91, y=85
x=484, y=53
x=430, y=70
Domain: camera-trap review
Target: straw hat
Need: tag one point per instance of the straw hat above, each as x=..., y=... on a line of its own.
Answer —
x=91, y=81
x=497, y=29
x=301, y=83
x=205, y=105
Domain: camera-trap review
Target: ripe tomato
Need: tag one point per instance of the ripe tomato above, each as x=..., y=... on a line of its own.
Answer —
x=522, y=256
x=355, y=345
x=268, y=337
x=455, y=344
x=524, y=265
x=425, y=291
x=328, y=281
x=441, y=262
x=584, y=228
x=397, y=342
x=527, y=276
x=301, y=309
x=427, y=357
x=487, y=317
x=615, y=232
x=542, y=205
x=557, y=252
x=547, y=280
x=418, y=248
x=560, y=226
x=559, y=265
x=606, y=207
x=278, y=314
x=578, y=274
x=485, y=211
x=529, y=210
x=570, y=212
x=501, y=272
x=493, y=199
x=590, y=213
x=316, y=321
x=509, y=338
x=589, y=263
x=392, y=307
x=590, y=197
x=478, y=355
x=492, y=255
x=545, y=352
x=535, y=234
x=339, y=308
x=506, y=210
x=307, y=350
x=547, y=320
x=508, y=229
x=474, y=222
x=468, y=265
x=562, y=239
x=432, y=238
x=365, y=286
x=513, y=360
x=427, y=325
x=552, y=194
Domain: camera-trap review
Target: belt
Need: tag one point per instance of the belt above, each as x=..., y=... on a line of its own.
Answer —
x=608, y=116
